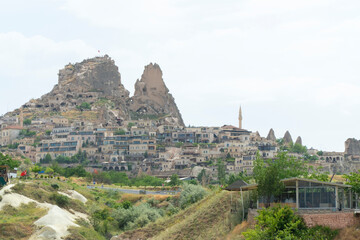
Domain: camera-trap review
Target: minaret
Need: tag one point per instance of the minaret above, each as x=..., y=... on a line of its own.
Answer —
x=21, y=118
x=240, y=118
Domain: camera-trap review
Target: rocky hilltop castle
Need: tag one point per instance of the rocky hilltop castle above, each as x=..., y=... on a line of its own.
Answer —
x=97, y=82
x=90, y=111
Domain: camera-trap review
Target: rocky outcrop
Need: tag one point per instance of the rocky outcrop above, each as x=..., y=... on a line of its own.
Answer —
x=97, y=83
x=287, y=138
x=298, y=140
x=91, y=81
x=271, y=135
x=152, y=97
x=352, y=147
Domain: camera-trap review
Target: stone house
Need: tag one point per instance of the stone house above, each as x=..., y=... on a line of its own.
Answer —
x=8, y=134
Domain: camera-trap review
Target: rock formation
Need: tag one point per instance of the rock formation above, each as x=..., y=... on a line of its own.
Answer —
x=298, y=140
x=287, y=138
x=97, y=82
x=90, y=81
x=352, y=147
x=152, y=97
x=271, y=135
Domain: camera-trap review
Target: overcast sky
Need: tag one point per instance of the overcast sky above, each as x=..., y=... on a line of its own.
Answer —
x=292, y=65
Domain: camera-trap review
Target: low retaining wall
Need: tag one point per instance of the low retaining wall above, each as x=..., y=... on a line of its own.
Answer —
x=334, y=220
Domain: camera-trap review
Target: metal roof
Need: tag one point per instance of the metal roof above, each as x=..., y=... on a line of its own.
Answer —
x=254, y=186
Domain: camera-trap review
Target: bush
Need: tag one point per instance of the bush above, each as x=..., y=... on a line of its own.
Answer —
x=191, y=194
x=55, y=186
x=60, y=200
x=282, y=223
x=153, y=202
x=170, y=210
x=135, y=217
x=84, y=106
x=126, y=204
x=27, y=121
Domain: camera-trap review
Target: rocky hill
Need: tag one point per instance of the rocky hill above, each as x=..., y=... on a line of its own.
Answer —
x=152, y=96
x=95, y=85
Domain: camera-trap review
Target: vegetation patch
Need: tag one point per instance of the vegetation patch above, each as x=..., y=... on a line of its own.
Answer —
x=195, y=222
x=17, y=223
x=41, y=192
x=282, y=223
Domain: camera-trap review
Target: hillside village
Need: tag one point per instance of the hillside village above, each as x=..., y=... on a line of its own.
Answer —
x=89, y=111
x=160, y=175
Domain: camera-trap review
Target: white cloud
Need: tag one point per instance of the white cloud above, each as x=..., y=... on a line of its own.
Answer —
x=292, y=64
x=30, y=65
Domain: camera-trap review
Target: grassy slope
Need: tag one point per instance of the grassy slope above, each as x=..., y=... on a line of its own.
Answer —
x=17, y=223
x=20, y=221
x=208, y=219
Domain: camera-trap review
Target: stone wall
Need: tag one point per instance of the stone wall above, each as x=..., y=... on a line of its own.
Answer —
x=335, y=220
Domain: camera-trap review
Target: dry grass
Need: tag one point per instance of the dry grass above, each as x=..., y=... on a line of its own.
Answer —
x=75, y=114
x=17, y=223
x=131, y=197
x=207, y=219
x=236, y=233
x=349, y=233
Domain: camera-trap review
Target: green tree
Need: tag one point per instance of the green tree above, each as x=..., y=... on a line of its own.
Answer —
x=120, y=132
x=27, y=121
x=84, y=106
x=318, y=174
x=174, y=180
x=240, y=176
x=268, y=173
x=36, y=169
x=268, y=180
x=353, y=179
x=298, y=148
x=47, y=158
x=201, y=175
x=8, y=161
x=49, y=171
x=27, y=133
x=13, y=146
x=221, y=172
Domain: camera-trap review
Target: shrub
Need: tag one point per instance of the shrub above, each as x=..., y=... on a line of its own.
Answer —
x=191, y=194
x=60, y=200
x=153, y=202
x=84, y=106
x=170, y=210
x=126, y=204
x=135, y=217
x=55, y=186
x=282, y=223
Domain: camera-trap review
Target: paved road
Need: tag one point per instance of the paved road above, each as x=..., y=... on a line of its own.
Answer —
x=135, y=191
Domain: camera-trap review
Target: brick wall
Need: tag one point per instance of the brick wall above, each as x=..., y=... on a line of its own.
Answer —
x=333, y=220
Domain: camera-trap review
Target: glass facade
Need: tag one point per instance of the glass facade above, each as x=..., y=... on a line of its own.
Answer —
x=317, y=197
